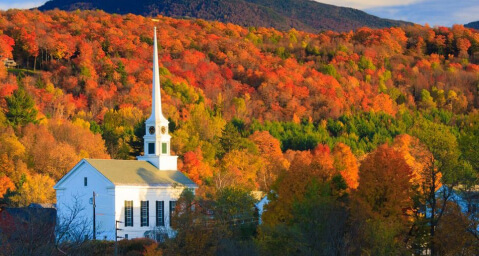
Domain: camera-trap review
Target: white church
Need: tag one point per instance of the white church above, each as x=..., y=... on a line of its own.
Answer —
x=135, y=196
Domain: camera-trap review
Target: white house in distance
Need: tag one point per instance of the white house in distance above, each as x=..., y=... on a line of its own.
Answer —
x=260, y=207
x=140, y=193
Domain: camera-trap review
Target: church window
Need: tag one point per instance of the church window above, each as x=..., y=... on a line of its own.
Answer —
x=151, y=148
x=160, y=213
x=128, y=213
x=164, y=148
x=172, y=209
x=85, y=181
x=144, y=213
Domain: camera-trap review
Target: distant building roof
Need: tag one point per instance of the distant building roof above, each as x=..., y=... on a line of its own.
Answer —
x=258, y=195
x=9, y=63
x=25, y=214
x=140, y=173
x=36, y=205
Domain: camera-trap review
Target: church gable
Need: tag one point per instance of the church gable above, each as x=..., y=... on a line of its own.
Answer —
x=82, y=174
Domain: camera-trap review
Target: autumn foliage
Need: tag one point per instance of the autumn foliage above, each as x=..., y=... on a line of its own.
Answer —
x=385, y=182
x=348, y=121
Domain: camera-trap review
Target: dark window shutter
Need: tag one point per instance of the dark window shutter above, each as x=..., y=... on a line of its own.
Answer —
x=160, y=213
x=144, y=213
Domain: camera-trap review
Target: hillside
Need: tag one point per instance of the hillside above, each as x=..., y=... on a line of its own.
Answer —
x=92, y=69
x=303, y=15
x=359, y=125
x=474, y=24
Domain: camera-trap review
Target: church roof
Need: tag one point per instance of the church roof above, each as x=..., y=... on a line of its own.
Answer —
x=140, y=173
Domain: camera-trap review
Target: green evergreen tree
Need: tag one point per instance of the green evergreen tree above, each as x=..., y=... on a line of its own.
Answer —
x=21, y=108
x=123, y=74
x=136, y=141
x=231, y=139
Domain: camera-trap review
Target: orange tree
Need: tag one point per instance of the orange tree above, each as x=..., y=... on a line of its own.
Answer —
x=381, y=202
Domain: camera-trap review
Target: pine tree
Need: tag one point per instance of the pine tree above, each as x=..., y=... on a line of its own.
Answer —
x=231, y=139
x=21, y=108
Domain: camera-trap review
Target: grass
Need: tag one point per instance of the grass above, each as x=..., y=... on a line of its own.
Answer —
x=17, y=71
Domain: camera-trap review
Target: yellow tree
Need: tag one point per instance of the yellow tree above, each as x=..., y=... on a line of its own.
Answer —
x=346, y=163
x=418, y=157
x=306, y=169
x=238, y=168
x=5, y=185
x=54, y=148
x=291, y=186
x=37, y=188
x=11, y=155
x=270, y=150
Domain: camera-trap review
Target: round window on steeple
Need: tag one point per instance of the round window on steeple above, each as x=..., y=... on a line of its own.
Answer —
x=163, y=129
x=152, y=130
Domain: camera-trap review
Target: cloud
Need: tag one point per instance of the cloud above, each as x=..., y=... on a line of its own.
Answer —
x=433, y=12
x=19, y=4
x=467, y=15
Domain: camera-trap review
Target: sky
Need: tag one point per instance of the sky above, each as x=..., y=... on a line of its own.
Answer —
x=20, y=4
x=433, y=12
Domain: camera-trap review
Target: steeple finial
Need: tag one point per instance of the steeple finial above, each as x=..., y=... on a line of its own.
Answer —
x=156, y=112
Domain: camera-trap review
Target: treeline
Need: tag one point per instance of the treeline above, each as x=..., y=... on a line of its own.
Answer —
x=366, y=125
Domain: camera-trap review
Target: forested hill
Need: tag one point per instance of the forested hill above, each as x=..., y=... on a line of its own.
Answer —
x=92, y=70
x=474, y=24
x=303, y=15
x=363, y=125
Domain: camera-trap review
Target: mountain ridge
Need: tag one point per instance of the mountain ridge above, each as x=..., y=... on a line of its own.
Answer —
x=474, y=24
x=304, y=15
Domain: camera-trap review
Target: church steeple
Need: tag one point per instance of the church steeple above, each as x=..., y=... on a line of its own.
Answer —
x=156, y=113
x=157, y=139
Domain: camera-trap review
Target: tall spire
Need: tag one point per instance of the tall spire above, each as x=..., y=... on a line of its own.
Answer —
x=157, y=139
x=156, y=111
